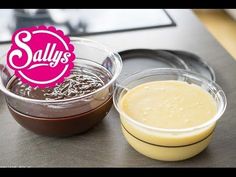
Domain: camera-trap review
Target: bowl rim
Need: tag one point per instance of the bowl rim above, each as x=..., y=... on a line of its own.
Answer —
x=98, y=46
x=189, y=74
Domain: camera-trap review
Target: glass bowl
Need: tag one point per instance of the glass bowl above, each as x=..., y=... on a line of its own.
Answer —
x=162, y=143
x=74, y=115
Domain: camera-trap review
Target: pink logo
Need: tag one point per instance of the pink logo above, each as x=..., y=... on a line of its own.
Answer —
x=41, y=56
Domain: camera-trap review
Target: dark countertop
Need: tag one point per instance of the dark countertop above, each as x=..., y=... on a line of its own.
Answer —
x=104, y=145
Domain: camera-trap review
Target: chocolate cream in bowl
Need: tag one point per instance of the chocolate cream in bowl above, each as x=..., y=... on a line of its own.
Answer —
x=71, y=107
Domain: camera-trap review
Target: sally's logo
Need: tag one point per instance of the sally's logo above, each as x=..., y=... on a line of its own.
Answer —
x=41, y=56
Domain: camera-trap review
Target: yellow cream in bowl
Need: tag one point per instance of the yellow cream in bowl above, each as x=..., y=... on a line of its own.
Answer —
x=167, y=105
